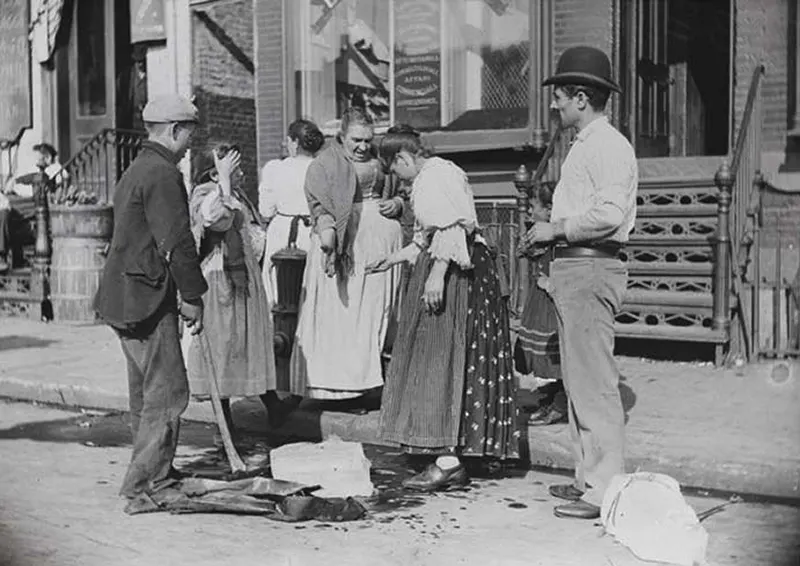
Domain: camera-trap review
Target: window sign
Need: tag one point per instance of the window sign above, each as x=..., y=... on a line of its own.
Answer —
x=147, y=20
x=439, y=65
x=417, y=63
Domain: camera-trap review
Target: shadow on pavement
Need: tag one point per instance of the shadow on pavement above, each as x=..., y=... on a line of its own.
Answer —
x=15, y=342
x=99, y=430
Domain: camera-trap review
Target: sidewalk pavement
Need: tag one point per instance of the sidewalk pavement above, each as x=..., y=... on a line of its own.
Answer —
x=718, y=429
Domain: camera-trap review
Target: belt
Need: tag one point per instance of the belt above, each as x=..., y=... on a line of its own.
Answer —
x=600, y=250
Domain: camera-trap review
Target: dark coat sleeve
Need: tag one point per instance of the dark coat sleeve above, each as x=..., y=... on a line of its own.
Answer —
x=166, y=209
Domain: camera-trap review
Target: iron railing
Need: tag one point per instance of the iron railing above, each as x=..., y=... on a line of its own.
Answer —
x=775, y=301
x=95, y=169
x=735, y=180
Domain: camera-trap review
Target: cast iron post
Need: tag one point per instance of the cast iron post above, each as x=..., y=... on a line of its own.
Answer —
x=42, y=253
x=722, y=267
x=522, y=182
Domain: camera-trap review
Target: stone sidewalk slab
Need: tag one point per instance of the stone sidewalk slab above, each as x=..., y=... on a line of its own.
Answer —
x=709, y=428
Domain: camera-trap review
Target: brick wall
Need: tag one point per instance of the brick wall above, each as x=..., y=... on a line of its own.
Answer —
x=762, y=32
x=224, y=88
x=583, y=22
x=268, y=20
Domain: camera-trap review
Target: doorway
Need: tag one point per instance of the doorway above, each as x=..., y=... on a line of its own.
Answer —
x=677, y=79
x=95, y=70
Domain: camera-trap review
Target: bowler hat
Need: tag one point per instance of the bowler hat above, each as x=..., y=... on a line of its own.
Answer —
x=583, y=65
x=169, y=108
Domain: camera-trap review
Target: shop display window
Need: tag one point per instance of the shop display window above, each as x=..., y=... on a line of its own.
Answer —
x=439, y=65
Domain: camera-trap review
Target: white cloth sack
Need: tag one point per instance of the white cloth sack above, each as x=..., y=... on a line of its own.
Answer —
x=647, y=513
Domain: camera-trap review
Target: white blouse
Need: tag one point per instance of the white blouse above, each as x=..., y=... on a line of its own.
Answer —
x=280, y=190
x=444, y=211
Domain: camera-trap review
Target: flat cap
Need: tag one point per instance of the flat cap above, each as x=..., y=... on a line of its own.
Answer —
x=169, y=108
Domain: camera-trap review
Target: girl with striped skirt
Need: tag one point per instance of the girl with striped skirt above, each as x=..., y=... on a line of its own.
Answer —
x=450, y=389
x=536, y=350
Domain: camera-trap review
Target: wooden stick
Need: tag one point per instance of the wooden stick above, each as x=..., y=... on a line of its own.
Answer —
x=235, y=461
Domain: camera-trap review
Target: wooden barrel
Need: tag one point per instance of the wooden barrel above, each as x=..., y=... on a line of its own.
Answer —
x=81, y=235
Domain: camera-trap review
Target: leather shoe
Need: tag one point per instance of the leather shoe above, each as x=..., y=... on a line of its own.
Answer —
x=547, y=416
x=433, y=478
x=577, y=510
x=566, y=491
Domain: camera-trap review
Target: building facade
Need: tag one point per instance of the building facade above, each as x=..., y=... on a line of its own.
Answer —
x=468, y=71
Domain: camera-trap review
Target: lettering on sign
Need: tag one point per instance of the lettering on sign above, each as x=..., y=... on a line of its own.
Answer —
x=418, y=63
x=15, y=69
x=147, y=20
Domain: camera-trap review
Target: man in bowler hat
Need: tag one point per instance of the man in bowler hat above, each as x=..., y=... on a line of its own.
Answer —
x=151, y=277
x=594, y=209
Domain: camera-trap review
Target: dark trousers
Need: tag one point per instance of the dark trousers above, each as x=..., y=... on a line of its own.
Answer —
x=159, y=394
x=5, y=243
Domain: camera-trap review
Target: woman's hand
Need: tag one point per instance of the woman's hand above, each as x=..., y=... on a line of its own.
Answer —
x=226, y=166
x=390, y=208
x=433, y=293
x=408, y=255
x=327, y=240
x=329, y=264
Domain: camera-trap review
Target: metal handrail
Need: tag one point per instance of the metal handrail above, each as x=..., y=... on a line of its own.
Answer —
x=93, y=170
x=735, y=182
x=747, y=117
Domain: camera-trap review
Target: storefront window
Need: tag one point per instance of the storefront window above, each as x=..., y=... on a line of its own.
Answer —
x=452, y=65
x=91, y=58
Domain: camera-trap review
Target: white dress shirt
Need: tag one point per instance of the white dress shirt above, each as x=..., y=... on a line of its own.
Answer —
x=596, y=195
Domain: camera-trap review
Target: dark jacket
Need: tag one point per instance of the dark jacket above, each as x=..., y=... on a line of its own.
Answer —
x=152, y=252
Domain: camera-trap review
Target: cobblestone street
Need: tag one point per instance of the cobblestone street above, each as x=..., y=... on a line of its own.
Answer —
x=59, y=506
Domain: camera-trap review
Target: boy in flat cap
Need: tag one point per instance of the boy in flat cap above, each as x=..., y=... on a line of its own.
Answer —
x=152, y=256
x=594, y=209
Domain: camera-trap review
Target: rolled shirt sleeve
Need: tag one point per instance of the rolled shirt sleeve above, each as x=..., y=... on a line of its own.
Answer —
x=450, y=244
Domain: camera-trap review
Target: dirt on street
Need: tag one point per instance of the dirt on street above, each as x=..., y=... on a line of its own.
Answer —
x=61, y=471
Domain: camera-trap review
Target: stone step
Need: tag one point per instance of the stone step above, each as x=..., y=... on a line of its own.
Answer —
x=677, y=210
x=665, y=269
x=668, y=299
x=668, y=332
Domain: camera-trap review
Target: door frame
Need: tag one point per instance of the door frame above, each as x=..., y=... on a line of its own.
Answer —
x=73, y=139
x=627, y=111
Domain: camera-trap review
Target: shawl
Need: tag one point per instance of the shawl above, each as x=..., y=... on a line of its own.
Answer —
x=331, y=184
x=233, y=254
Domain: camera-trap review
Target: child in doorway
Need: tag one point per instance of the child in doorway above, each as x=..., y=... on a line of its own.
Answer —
x=536, y=350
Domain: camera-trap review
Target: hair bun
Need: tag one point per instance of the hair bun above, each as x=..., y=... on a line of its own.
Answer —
x=404, y=129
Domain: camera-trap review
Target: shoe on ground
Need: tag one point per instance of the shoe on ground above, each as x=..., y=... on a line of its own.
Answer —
x=551, y=414
x=4, y=266
x=433, y=478
x=577, y=510
x=566, y=491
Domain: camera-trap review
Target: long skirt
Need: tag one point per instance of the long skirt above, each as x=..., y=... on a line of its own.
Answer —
x=237, y=337
x=536, y=350
x=277, y=239
x=344, y=321
x=450, y=385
